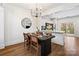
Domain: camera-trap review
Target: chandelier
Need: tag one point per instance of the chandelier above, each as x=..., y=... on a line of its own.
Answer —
x=36, y=12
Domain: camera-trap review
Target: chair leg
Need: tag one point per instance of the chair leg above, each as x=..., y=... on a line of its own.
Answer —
x=24, y=44
x=30, y=49
x=39, y=50
x=37, y=53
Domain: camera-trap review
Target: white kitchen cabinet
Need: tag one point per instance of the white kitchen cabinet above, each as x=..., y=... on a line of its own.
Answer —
x=59, y=37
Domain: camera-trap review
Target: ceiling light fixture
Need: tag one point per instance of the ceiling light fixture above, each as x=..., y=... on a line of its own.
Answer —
x=36, y=12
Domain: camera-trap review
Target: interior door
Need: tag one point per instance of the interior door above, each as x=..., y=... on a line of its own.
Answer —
x=2, y=44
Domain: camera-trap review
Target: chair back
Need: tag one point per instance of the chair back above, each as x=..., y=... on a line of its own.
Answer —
x=34, y=41
x=39, y=33
x=34, y=44
x=25, y=36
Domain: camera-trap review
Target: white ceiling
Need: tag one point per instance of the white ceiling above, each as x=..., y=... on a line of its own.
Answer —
x=43, y=6
x=46, y=6
x=33, y=5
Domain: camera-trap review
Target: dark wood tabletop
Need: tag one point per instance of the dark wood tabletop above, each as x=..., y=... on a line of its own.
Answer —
x=45, y=37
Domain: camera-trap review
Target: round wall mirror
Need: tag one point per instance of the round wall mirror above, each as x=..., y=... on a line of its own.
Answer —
x=26, y=23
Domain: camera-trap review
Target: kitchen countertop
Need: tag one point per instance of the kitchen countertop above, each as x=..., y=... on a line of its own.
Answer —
x=59, y=32
x=55, y=31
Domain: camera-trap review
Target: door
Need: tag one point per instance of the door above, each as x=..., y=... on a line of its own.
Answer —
x=2, y=45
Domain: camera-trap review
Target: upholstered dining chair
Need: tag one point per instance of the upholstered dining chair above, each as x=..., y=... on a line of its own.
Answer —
x=26, y=40
x=35, y=45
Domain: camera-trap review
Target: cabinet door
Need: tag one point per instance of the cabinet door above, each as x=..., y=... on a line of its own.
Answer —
x=59, y=38
x=1, y=28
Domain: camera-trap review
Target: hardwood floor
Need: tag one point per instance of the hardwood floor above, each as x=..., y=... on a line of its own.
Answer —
x=20, y=50
x=70, y=48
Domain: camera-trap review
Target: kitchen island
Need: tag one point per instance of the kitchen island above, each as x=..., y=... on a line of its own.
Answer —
x=59, y=37
x=45, y=42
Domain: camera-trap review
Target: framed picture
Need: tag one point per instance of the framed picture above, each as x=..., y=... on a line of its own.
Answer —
x=49, y=26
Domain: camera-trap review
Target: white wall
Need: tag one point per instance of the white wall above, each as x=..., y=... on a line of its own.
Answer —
x=13, y=29
x=59, y=39
x=2, y=44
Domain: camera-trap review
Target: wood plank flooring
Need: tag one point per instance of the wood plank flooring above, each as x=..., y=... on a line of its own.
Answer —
x=70, y=48
x=20, y=50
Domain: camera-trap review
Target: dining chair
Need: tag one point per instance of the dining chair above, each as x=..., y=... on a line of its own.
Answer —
x=26, y=40
x=39, y=33
x=49, y=34
x=35, y=45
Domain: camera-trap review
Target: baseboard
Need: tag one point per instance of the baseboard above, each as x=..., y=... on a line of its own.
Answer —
x=15, y=44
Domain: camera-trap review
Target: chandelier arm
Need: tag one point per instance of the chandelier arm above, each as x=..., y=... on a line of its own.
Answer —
x=36, y=13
